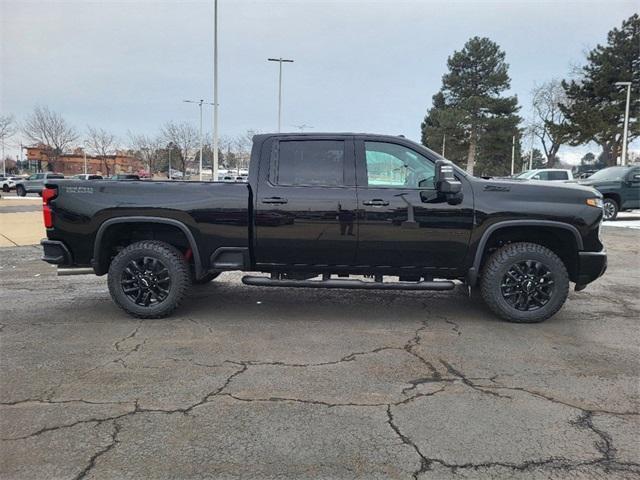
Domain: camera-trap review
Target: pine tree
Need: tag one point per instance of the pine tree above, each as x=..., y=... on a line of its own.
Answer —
x=470, y=112
x=595, y=108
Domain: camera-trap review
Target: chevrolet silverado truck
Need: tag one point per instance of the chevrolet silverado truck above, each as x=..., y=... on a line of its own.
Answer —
x=320, y=208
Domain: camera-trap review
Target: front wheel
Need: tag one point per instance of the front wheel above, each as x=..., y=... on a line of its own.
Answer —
x=524, y=283
x=21, y=191
x=148, y=279
x=610, y=208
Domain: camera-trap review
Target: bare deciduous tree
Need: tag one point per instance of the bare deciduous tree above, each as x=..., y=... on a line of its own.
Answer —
x=103, y=144
x=547, y=99
x=185, y=136
x=147, y=148
x=50, y=129
x=7, y=130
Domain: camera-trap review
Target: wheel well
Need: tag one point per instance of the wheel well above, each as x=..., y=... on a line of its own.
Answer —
x=560, y=241
x=612, y=196
x=118, y=236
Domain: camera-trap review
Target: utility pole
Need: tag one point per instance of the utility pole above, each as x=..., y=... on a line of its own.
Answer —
x=214, y=167
x=531, y=153
x=170, y=148
x=513, y=153
x=623, y=159
x=444, y=142
x=280, y=61
x=200, y=103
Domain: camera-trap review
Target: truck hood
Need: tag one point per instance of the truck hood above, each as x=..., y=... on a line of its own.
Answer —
x=599, y=183
x=540, y=187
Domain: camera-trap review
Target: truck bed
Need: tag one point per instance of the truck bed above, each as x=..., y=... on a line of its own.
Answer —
x=216, y=213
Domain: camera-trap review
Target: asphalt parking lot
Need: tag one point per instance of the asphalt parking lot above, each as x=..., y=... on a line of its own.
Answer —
x=267, y=383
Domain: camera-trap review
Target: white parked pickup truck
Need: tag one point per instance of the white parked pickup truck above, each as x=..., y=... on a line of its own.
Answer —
x=549, y=174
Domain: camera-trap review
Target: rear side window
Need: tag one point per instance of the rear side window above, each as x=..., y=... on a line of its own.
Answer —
x=558, y=176
x=309, y=162
x=55, y=176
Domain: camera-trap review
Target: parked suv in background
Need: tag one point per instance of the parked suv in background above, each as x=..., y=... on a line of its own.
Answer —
x=620, y=187
x=549, y=174
x=35, y=183
x=87, y=176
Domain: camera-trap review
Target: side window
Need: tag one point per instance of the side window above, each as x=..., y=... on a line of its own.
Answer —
x=309, y=162
x=391, y=165
x=542, y=176
x=558, y=175
x=39, y=176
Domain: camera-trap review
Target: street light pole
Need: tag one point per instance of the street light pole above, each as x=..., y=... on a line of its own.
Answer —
x=623, y=160
x=199, y=103
x=279, y=60
x=214, y=167
x=513, y=153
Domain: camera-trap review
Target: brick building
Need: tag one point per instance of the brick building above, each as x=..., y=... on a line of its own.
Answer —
x=73, y=163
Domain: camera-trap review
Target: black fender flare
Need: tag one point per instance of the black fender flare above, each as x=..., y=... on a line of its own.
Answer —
x=144, y=219
x=472, y=275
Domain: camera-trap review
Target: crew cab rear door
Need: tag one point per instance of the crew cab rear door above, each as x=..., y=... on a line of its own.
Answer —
x=402, y=221
x=305, y=208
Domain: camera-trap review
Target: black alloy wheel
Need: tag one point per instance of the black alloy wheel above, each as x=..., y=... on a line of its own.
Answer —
x=527, y=285
x=146, y=281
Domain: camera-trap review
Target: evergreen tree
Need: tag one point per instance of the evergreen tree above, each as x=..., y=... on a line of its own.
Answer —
x=469, y=111
x=595, y=108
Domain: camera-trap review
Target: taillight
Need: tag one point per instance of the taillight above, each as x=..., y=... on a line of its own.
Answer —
x=48, y=194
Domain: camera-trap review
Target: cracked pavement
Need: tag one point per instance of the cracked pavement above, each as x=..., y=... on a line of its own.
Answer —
x=246, y=382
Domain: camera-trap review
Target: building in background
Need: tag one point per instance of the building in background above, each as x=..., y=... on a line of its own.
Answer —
x=42, y=158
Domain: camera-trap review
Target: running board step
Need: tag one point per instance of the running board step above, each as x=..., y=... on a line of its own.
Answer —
x=348, y=283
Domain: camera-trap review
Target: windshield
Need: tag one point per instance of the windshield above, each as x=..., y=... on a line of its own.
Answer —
x=612, y=173
x=527, y=174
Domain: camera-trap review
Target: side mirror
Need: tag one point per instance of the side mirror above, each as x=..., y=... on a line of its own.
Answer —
x=446, y=183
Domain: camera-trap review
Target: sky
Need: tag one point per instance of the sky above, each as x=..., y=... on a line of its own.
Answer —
x=361, y=66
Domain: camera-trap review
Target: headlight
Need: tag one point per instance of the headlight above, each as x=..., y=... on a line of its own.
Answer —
x=594, y=202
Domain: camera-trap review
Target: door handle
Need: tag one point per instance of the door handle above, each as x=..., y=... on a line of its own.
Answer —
x=275, y=201
x=376, y=202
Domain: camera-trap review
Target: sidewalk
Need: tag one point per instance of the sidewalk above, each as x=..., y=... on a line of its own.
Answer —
x=21, y=228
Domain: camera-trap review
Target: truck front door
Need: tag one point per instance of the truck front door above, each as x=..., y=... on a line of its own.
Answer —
x=305, y=208
x=402, y=221
x=631, y=189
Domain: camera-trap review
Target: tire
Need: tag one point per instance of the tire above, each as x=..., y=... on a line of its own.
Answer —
x=610, y=209
x=161, y=274
x=20, y=191
x=5, y=188
x=524, y=273
x=206, y=279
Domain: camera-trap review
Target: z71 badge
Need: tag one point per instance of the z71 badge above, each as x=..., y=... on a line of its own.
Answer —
x=78, y=189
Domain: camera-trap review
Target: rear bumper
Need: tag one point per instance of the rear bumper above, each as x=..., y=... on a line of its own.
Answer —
x=591, y=265
x=56, y=252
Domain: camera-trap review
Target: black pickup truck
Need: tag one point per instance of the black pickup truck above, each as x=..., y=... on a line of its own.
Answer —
x=318, y=208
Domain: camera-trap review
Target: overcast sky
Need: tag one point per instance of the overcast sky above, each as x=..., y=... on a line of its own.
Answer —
x=359, y=65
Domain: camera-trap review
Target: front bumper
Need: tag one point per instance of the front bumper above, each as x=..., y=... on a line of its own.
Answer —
x=591, y=265
x=56, y=252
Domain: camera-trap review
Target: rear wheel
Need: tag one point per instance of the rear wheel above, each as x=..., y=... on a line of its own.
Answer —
x=610, y=208
x=524, y=283
x=148, y=279
x=5, y=188
x=21, y=191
